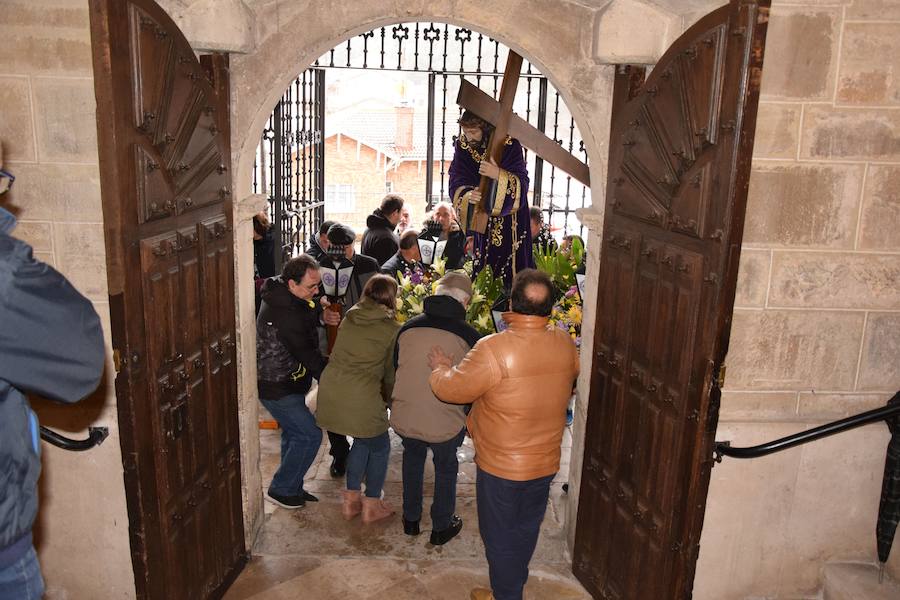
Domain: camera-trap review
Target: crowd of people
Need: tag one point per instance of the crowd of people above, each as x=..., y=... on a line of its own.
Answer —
x=433, y=381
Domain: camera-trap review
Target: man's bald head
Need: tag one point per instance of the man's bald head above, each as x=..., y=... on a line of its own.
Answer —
x=532, y=293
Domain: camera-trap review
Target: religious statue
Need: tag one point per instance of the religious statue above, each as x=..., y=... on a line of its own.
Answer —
x=505, y=245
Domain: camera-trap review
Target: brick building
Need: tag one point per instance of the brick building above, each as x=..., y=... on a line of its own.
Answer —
x=369, y=153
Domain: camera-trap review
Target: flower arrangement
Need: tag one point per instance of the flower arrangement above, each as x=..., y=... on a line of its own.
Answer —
x=418, y=284
x=414, y=287
x=487, y=289
x=560, y=265
x=567, y=313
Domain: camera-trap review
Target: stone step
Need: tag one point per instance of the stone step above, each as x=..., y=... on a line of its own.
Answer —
x=857, y=581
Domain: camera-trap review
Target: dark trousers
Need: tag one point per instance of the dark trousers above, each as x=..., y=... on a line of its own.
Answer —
x=446, y=466
x=340, y=447
x=509, y=518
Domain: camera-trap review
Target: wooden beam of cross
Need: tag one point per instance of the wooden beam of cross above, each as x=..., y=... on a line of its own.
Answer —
x=500, y=115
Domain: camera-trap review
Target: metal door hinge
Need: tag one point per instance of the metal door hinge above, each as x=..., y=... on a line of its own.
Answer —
x=720, y=380
x=117, y=360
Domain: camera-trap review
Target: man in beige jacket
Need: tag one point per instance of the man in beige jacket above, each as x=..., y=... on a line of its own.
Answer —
x=421, y=420
x=519, y=383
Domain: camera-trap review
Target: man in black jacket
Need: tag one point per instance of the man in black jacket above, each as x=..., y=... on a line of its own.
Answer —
x=364, y=267
x=454, y=250
x=541, y=237
x=317, y=245
x=287, y=360
x=379, y=240
x=407, y=257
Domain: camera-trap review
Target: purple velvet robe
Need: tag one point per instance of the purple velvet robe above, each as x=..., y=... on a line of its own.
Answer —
x=506, y=245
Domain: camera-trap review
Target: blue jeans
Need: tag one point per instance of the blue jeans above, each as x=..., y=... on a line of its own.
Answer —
x=509, y=518
x=300, y=441
x=369, y=457
x=22, y=579
x=446, y=467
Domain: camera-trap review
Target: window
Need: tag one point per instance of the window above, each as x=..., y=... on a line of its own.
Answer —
x=339, y=198
x=388, y=187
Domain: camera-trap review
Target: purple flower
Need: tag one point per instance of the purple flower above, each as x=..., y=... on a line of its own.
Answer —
x=571, y=292
x=415, y=277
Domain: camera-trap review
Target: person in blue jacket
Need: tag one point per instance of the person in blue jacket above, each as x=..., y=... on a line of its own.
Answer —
x=51, y=344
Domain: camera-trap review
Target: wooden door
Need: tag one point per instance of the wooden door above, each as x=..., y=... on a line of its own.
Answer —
x=163, y=135
x=679, y=165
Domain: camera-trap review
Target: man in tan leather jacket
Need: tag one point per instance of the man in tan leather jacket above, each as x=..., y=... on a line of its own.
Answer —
x=519, y=383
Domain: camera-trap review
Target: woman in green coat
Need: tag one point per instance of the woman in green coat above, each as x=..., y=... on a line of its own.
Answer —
x=353, y=392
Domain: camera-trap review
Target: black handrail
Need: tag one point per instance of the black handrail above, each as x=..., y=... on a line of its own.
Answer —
x=95, y=437
x=817, y=433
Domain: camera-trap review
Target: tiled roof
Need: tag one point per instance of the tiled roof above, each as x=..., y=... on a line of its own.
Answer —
x=378, y=129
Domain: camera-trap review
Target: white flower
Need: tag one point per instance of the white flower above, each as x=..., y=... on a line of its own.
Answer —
x=419, y=290
x=415, y=306
x=439, y=266
x=483, y=321
x=477, y=297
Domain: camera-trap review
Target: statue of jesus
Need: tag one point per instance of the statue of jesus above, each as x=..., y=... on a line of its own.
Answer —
x=506, y=244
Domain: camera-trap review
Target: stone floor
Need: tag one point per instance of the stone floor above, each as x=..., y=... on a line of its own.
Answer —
x=313, y=554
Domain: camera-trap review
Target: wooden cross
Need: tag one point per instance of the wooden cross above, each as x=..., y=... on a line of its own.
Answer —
x=500, y=115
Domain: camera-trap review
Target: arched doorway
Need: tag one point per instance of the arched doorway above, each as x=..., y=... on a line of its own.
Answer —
x=290, y=162
x=259, y=81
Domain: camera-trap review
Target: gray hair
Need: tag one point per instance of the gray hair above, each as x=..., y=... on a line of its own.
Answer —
x=444, y=203
x=455, y=293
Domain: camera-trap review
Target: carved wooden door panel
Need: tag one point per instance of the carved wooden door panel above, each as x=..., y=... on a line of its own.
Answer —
x=679, y=166
x=166, y=181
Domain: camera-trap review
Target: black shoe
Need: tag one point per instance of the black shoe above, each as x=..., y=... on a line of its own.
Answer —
x=338, y=467
x=439, y=538
x=309, y=497
x=289, y=502
x=410, y=527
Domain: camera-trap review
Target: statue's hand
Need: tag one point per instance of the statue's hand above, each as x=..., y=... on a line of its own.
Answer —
x=489, y=168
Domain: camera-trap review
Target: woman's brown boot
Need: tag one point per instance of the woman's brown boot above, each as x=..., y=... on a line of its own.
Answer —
x=375, y=509
x=352, y=503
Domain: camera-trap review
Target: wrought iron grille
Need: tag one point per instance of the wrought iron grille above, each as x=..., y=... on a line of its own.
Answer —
x=290, y=158
x=289, y=164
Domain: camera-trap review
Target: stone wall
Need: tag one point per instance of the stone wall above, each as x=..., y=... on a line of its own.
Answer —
x=49, y=134
x=817, y=318
x=817, y=321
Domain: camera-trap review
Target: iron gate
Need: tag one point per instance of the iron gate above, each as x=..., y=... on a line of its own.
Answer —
x=290, y=161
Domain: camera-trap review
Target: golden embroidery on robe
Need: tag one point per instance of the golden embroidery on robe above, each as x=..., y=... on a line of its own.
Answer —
x=497, y=231
x=475, y=154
